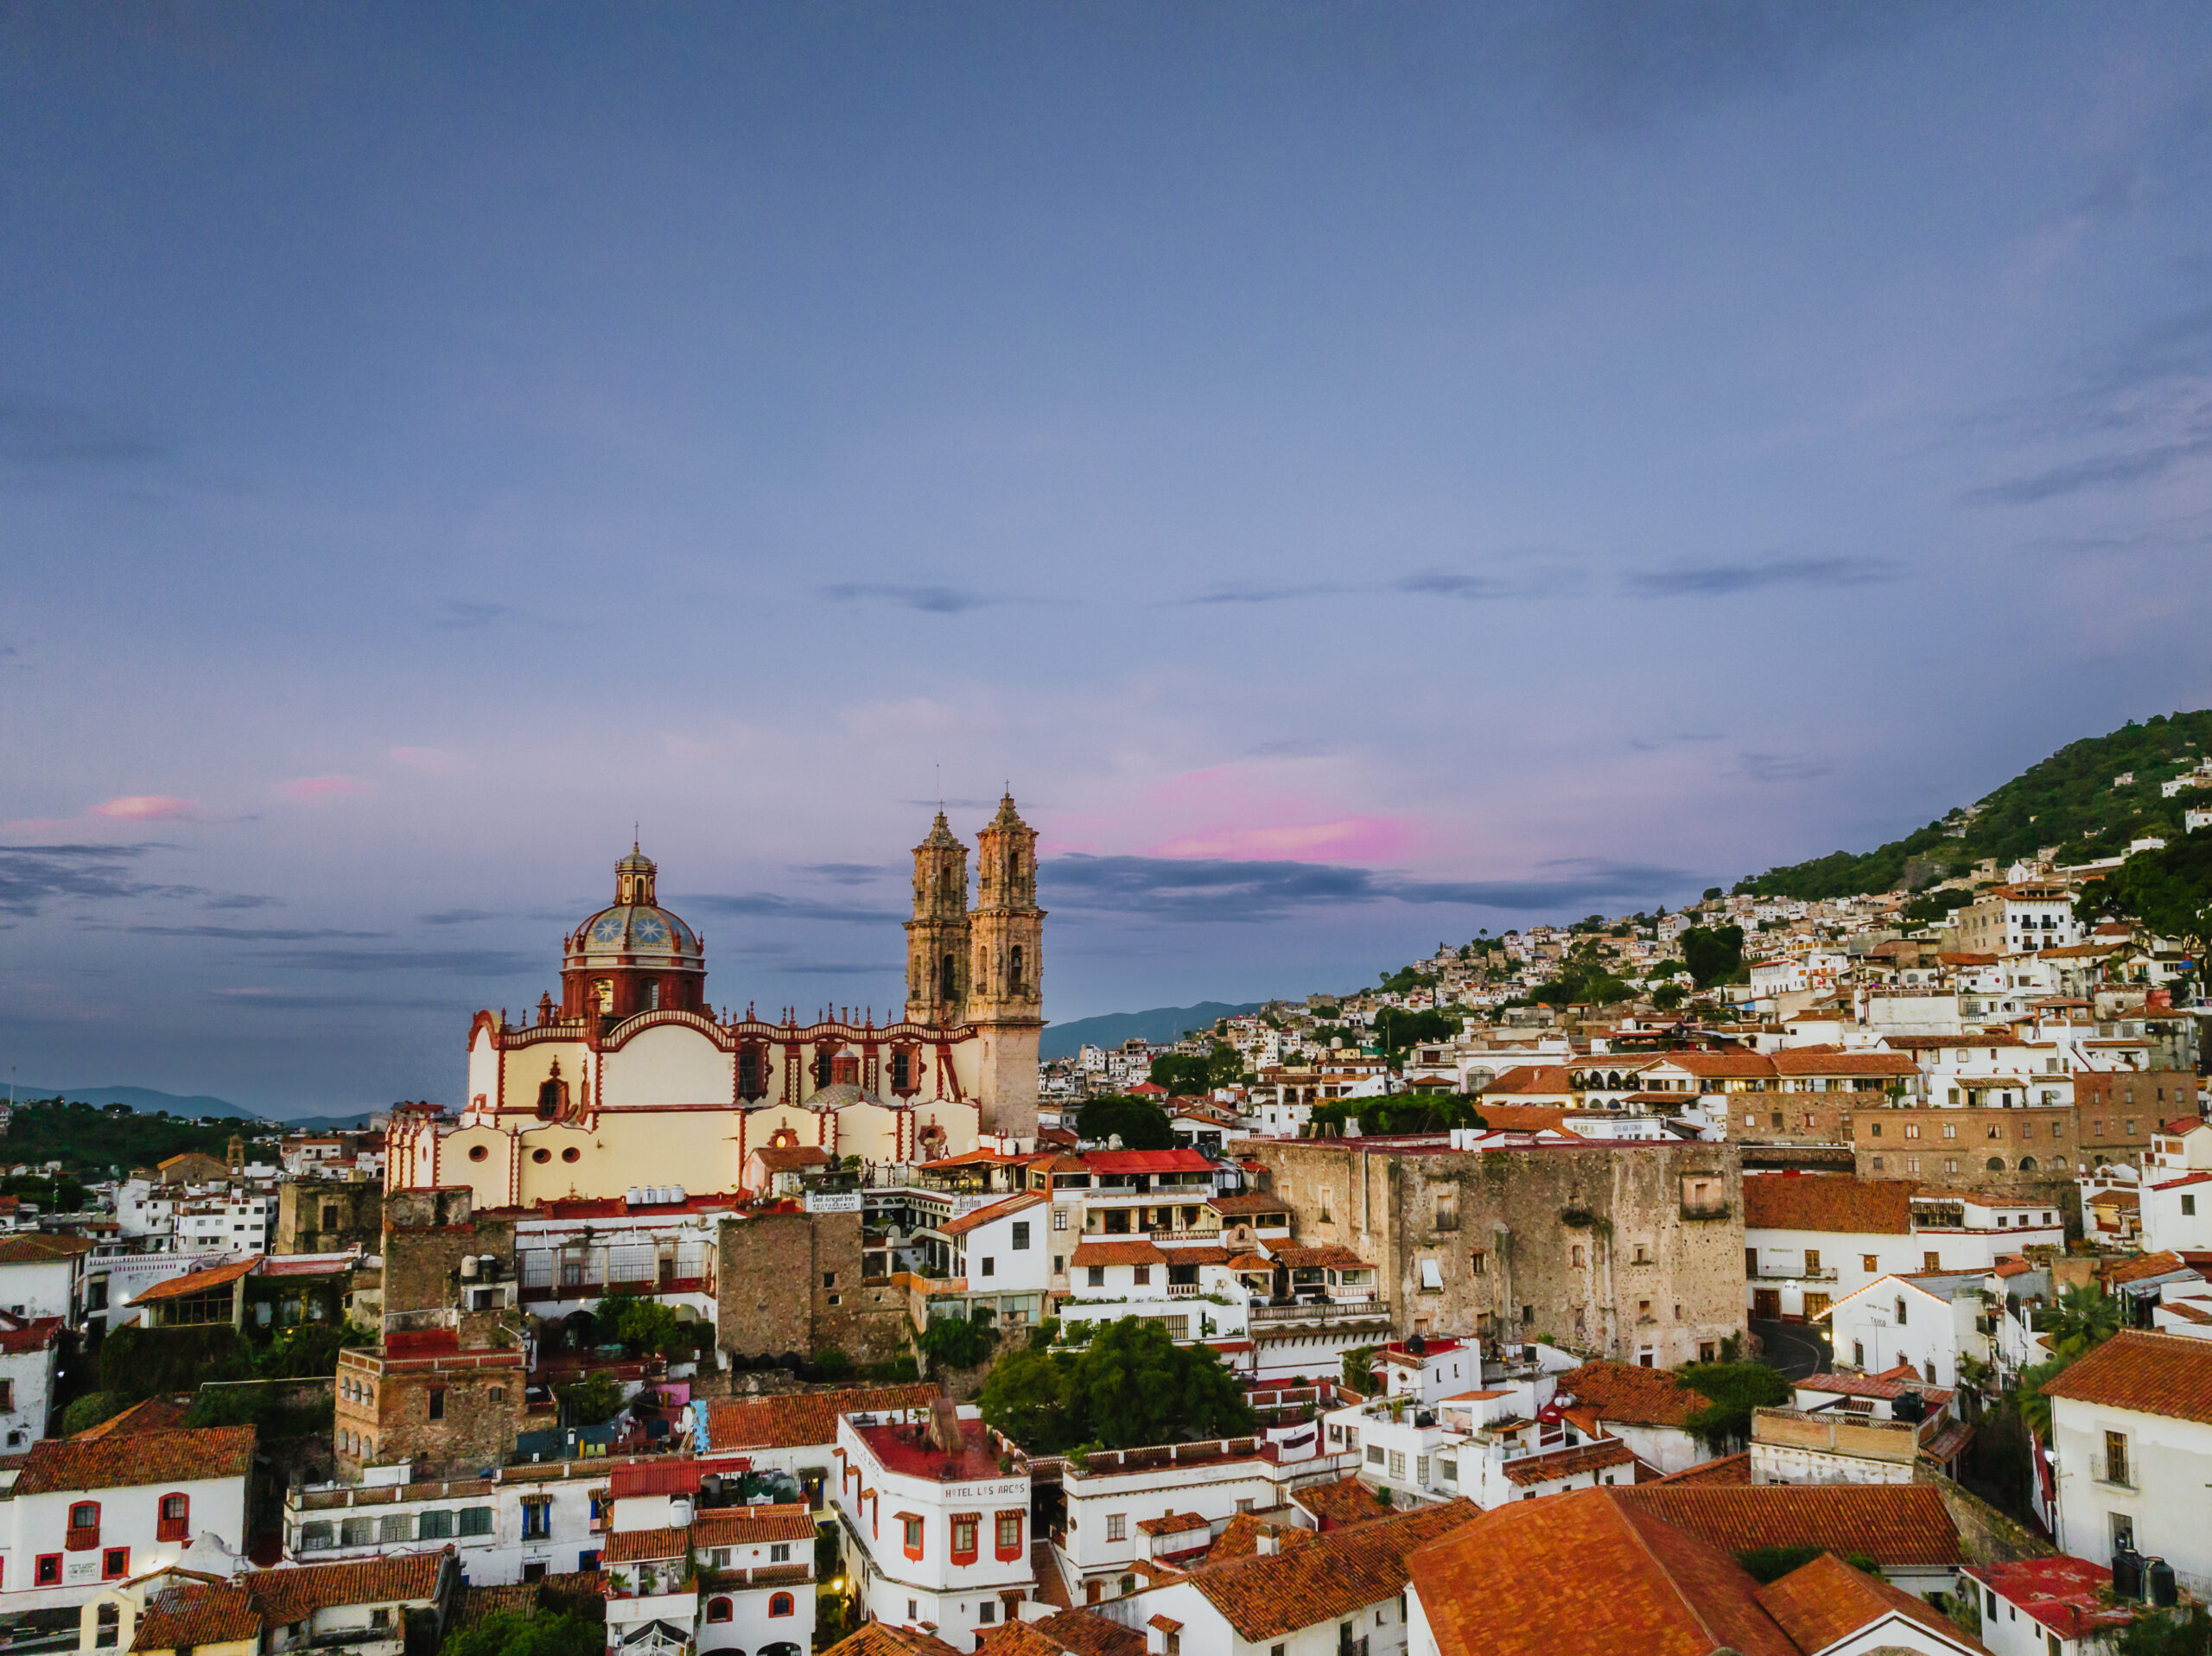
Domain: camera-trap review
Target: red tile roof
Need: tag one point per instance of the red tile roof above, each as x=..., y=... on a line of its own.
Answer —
x=1523, y=1118
x=2143, y=1264
x=203, y=1613
x=881, y=1639
x=2068, y=1595
x=1269, y=1595
x=1894, y=1523
x=1587, y=1574
x=1147, y=1161
x=803, y=1420
x=1341, y=1505
x=2168, y=1375
x=1175, y=1523
x=155, y=1414
x=29, y=1333
x=1006, y=1210
x=1129, y=1253
x=1569, y=1463
x=1069, y=1633
x=629, y=1546
x=1823, y=1603
x=1834, y=1060
x=753, y=1526
x=1827, y=1202
x=1729, y=1469
x=1632, y=1395
x=1249, y=1202
x=40, y=1247
x=125, y=1460
x=196, y=1282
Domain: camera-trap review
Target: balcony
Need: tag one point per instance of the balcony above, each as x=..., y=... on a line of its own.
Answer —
x=1322, y=1312
x=1777, y=1274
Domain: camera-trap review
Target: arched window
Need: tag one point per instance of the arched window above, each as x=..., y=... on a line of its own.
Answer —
x=176, y=1521
x=1014, y=971
x=1996, y=1164
x=652, y=995
x=2027, y=1163
x=752, y=1070
x=107, y=1626
x=948, y=979
x=779, y=1604
x=718, y=1610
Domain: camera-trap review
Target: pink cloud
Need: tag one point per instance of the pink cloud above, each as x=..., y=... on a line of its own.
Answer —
x=309, y=791
x=143, y=808
x=1353, y=838
x=431, y=761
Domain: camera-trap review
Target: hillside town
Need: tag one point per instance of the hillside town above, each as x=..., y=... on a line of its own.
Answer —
x=1828, y=1272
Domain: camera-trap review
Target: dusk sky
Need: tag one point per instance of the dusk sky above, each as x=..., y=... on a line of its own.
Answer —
x=1359, y=473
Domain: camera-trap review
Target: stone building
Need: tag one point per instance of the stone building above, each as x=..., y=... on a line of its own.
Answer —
x=1634, y=1251
x=2026, y=1150
x=793, y=1282
x=328, y=1215
x=2119, y=1109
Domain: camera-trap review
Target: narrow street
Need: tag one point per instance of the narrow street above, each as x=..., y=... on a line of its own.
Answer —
x=1796, y=1349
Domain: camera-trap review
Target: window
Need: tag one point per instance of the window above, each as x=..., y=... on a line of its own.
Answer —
x=357, y=1532
x=779, y=1604
x=780, y=1553
x=1398, y=1463
x=84, y=1526
x=1575, y=1256
x=1931, y=1261
x=1117, y=1526
x=1901, y=1313
x=1431, y=1276
x=2188, y=1206
x=438, y=1402
x=1421, y=1471
x=987, y=1611
x=718, y=1610
x=1812, y=1262
x=2116, y=1457
x=436, y=1524
x=115, y=1564
x=537, y=1520
x=1009, y=1535
x=396, y=1526
x=1141, y=1275
x=1095, y=1275
x=963, y=1537
x=1374, y=1455
x=1021, y=1236
x=107, y=1626
x=46, y=1572
x=911, y=1534
x=1447, y=1469
x=990, y=1266
x=174, y=1519
x=1475, y=1262
x=314, y=1538
x=476, y=1521
x=1059, y=1219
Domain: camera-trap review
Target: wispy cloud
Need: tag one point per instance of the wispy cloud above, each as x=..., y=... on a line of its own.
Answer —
x=931, y=599
x=461, y=962
x=31, y=875
x=459, y=615
x=143, y=808
x=292, y=1000
x=456, y=917
x=244, y=900
x=1215, y=890
x=2098, y=472
x=249, y=934
x=431, y=761
x=845, y=873
x=768, y=906
x=1779, y=767
x=1539, y=579
x=47, y=431
x=1725, y=580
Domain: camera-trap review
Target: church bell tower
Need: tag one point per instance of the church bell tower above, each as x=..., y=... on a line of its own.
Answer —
x=1004, y=985
x=937, y=937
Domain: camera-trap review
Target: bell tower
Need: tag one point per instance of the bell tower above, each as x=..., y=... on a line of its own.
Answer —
x=1006, y=997
x=937, y=937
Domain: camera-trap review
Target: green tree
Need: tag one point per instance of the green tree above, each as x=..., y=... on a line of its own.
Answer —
x=138, y=1362
x=1713, y=954
x=536, y=1632
x=2186, y=1631
x=1128, y=1386
x=957, y=1341
x=90, y=1410
x=1398, y=1030
x=1139, y=1123
x=1731, y=1391
x=2083, y=1316
x=640, y=1323
x=1181, y=1073
x=309, y=1349
x=591, y=1401
x=2167, y=891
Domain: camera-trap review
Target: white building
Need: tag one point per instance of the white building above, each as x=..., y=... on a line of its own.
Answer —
x=2132, y=1441
x=2044, y=1607
x=737, y=1578
x=79, y=1515
x=1928, y=1320
x=936, y=1524
x=30, y=1357
x=43, y=1275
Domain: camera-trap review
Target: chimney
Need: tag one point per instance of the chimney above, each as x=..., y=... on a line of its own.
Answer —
x=1264, y=1544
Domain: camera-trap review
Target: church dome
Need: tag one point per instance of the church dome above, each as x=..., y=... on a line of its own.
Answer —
x=635, y=931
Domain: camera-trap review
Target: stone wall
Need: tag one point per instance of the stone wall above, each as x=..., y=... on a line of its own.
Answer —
x=448, y=1412
x=2028, y=1153
x=426, y=1235
x=1615, y=1251
x=328, y=1215
x=792, y=1282
x=2118, y=1112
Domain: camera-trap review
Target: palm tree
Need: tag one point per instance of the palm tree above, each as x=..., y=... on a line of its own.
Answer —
x=2084, y=1317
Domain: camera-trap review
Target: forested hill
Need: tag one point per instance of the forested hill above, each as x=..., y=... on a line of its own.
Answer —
x=2068, y=800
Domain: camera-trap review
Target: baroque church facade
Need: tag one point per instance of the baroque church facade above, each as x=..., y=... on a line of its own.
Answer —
x=633, y=1080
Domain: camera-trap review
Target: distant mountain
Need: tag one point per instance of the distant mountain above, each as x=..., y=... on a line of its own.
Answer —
x=324, y=1123
x=2072, y=799
x=1111, y=1029
x=144, y=1098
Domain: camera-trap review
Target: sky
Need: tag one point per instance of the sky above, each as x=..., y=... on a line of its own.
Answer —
x=1358, y=474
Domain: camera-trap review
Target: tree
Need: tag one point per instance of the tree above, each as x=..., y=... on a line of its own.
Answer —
x=2084, y=1317
x=2168, y=892
x=535, y=1632
x=1129, y=1385
x=1398, y=1030
x=592, y=1401
x=2186, y=1631
x=1139, y=1123
x=1713, y=954
x=1733, y=1391
x=639, y=1323
x=957, y=1341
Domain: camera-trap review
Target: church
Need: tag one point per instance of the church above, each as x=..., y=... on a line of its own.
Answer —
x=633, y=1080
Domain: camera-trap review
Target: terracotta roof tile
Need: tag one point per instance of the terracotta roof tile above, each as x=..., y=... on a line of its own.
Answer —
x=1175, y=1523
x=202, y=1613
x=2143, y=1264
x=1269, y=1596
x=1893, y=1524
x=40, y=1247
x=1569, y=1463
x=881, y=1639
x=1078, y=1632
x=751, y=1526
x=195, y=1282
x=1519, y=1581
x=1827, y=1202
x=1241, y=1539
x=805, y=1418
x=2168, y=1375
x=1633, y=1395
x=155, y=1414
x=630, y=1547
x=125, y=1459
x=2068, y=1595
x=1728, y=1470
x=1820, y=1603
x=1129, y=1253
x=1250, y=1201
x=1524, y=1118
x=1341, y=1505
x=1833, y=1061
x=1013, y=1204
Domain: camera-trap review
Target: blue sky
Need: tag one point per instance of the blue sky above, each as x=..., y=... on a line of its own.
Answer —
x=1359, y=473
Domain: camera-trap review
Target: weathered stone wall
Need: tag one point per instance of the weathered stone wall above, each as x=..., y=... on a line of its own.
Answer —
x=424, y=1242
x=792, y=1282
x=1596, y=1247
x=2028, y=1153
x=1986, y=1536
x=328, y=1215
x=449, y=1413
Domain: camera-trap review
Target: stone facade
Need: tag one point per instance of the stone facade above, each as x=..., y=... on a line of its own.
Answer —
x=2029, y=1151
x=1626, y=1252
x=427, y=1233
x=446, y=1410
x=2120, y=1110
x=328, y=1215
x=792, y=1283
